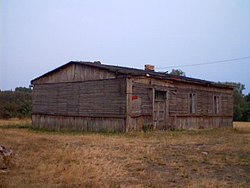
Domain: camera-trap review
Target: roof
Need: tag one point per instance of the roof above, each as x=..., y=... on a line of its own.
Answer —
x=137, y=72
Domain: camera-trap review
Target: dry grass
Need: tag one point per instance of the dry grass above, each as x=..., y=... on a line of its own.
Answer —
x=242, y=126
x=207, y=158
x=15, y=122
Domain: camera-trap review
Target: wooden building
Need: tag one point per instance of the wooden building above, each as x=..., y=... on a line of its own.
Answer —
x=95, y=97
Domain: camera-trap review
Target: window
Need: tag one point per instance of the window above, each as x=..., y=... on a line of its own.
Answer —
x=160, y=95
x=216, y=104
x=192, y=103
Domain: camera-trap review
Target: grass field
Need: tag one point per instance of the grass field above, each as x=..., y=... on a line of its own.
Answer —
x=15, y=122
x=242, y=126
x=202, y=158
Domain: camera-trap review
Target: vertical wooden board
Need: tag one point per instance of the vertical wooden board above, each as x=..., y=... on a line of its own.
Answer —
x=128, y=103
x=83, y=125
x=78, y=123
x=180, y=123
x=204, y=123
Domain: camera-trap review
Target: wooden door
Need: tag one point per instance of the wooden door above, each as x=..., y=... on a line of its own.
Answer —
x=160, y=110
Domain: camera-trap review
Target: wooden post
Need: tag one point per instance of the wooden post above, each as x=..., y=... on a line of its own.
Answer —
x=153, y=103
x=128, y=103
x=167, y=110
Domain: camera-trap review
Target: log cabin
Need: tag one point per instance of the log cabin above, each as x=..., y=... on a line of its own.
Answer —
x=91, y=96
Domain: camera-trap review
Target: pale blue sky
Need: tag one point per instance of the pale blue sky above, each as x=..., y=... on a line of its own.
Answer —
x=39, y=35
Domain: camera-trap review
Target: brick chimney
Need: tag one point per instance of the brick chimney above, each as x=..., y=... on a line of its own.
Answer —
x=149, y=67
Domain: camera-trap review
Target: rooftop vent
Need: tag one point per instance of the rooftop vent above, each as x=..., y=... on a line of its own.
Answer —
x=97, y=62
x=150, y=67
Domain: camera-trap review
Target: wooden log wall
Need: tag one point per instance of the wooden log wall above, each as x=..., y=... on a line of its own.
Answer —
x=81, y=96
x=179, y=103
x=100, y=98
x=143, y=93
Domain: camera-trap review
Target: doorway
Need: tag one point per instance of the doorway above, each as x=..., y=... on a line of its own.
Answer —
x=160, y=109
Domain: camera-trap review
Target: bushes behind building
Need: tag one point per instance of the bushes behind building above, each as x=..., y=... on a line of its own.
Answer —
x=16, y=104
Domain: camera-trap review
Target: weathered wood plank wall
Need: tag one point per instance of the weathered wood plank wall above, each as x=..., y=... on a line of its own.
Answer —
x=85, y=98
x=145, y=94
x=73, y=73
x=141, y=106
x=179, y=103
x=180, y=116
x=85, y=101
x=101, y=98
x=57, y=122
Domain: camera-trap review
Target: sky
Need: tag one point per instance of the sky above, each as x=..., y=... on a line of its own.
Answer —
x=37, y=36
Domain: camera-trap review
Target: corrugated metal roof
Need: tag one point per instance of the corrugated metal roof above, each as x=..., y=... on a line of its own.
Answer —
x=137, y=72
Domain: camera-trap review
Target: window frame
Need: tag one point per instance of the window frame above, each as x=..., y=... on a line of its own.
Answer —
x=160, y=95
x=192, y=102
x=216, y=104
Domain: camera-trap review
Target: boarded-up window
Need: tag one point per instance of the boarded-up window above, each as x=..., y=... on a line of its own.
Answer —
x=216, y=104
x=192, y=103
x=136, y=104
x=160, y=95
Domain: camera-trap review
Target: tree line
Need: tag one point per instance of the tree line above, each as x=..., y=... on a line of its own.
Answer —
x=16, y=104
x=241, y=102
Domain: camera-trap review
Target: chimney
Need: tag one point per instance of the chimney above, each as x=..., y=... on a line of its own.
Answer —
x=97, y=62
x=149, y=67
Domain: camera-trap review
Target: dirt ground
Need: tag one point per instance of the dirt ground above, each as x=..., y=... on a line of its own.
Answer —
x=201, y=158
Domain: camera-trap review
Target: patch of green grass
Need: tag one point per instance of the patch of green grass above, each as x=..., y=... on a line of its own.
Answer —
x=15, y=126
x=146, y=135
x=74, y=132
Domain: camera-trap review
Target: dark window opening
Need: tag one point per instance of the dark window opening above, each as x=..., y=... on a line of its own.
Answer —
x=160, y=95
x=192, y=103
x=216, y=104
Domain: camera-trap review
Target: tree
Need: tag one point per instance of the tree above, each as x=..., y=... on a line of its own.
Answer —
x=246, y=112
x=247, y=97
x=177, y=72
x=23, y=89
x=16, y=103
x=241, y=102
x=238, y=87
